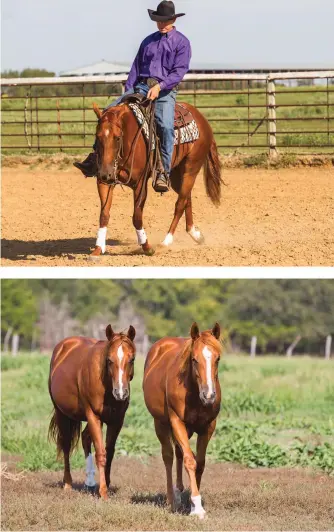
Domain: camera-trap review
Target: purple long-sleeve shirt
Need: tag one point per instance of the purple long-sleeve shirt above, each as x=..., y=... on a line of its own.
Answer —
x=163, y=56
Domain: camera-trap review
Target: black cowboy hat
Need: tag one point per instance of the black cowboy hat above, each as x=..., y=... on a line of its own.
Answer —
x=165, y=11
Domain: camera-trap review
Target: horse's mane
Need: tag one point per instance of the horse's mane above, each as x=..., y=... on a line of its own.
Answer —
x=119, y=336
x=185, y=355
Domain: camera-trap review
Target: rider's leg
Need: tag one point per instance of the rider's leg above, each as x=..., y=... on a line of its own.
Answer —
x=89, y=166
x=164, y=114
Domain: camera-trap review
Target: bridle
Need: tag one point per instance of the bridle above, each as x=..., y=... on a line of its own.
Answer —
x=118, y=167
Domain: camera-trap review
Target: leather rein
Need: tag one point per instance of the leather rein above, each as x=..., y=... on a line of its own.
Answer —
x=120, y=153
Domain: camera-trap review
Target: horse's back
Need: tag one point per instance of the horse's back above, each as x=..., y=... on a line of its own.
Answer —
x=158, y=361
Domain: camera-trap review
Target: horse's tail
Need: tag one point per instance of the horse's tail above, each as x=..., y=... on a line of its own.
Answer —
x=212, y=177
x=65, y=432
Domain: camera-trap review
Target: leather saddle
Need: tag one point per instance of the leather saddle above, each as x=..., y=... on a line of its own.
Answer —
x=182, y=116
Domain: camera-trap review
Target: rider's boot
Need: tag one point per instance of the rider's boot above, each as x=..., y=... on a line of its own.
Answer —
x=161, y=183
x=89, y=166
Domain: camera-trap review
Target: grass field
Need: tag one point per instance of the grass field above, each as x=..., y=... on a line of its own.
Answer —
x=275, y=412
x=316, y=130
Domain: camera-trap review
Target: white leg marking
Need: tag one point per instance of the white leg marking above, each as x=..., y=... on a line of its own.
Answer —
x=120, y=354
x=196, y=235
x=168, y=240
x=196, y=507
x=141, y=236
x=208, y=356
x=90, y=472
x=101, y=238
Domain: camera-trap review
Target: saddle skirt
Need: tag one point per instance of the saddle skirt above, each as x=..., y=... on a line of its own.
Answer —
x=185, y=127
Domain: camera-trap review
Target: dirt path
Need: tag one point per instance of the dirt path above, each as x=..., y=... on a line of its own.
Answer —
x=267, y=218
x=235, y=499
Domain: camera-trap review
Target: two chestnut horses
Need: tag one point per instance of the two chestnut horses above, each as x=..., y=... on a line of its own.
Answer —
x=182, y=392
x=122, y=158
x=90, y=381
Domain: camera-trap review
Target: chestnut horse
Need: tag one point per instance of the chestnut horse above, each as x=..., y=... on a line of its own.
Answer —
x=182, y=392
x=90, y=381
x=122, y=157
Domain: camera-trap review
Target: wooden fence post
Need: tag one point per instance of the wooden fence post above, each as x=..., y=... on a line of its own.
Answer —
x=253, y=347
x=271, y=103
x=15, y=344
x=328, y=347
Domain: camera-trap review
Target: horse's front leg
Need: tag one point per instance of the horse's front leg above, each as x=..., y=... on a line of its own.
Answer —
x=201, y=446
x=139, y=199
x=105, y=194
x=95, y=431
x=112, y=435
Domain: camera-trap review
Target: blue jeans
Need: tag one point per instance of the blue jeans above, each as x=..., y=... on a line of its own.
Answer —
x=164, y=116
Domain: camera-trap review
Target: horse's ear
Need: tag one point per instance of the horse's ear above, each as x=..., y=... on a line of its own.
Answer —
x=97, y=110
x=216, y=330
x=109, y=333
x=131, y=333
x=194, y=331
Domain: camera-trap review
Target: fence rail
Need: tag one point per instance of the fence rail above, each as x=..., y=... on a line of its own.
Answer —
x=246, y=111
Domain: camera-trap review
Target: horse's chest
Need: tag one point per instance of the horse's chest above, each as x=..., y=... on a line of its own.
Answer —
x=197, y=418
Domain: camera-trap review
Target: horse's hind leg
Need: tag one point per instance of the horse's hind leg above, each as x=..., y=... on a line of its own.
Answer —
x=167, y=452
x=188, y=180
x=66, y=432
x=105, y=194
x=178, y=489
x=90, y=469
x=193, y=231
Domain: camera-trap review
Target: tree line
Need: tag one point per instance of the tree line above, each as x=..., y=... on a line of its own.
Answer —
x=275, y=311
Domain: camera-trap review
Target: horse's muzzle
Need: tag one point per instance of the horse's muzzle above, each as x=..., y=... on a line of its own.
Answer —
x=120, y=395
x=207, y=400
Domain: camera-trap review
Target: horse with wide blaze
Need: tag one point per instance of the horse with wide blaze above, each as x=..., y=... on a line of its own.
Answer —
x=182, y=392
x=90, y=381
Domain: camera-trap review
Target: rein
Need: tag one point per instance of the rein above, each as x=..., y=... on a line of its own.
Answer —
x=151, y=162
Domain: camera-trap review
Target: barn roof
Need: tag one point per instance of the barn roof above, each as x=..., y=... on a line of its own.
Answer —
x=100, y=68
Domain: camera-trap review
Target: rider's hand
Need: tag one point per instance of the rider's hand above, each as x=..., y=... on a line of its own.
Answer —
x=153, y=93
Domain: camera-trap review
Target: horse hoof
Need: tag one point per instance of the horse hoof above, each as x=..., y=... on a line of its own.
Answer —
x=149, y=252
x=96, y=254
x=196, y=235
x=177, y=502
x=168, y=240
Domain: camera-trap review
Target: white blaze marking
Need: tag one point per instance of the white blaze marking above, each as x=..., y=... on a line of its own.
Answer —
x=101, y=238
x=90, y=471
x=208, y=355
x=120, y=354
x=168, y=240
x=106, y=132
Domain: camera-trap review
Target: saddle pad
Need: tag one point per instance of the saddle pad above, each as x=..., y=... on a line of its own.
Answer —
x=188, y=133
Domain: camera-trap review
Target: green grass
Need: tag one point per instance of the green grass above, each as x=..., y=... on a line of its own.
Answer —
x=275, y=412
x=228, y=132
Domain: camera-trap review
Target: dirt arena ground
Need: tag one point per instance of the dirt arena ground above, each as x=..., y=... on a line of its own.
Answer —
x=279, y=217
x=235, y=498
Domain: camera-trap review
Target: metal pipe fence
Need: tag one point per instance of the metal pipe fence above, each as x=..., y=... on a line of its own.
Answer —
x=291, y=111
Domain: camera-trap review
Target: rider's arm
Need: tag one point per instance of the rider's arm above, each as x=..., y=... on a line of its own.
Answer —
x=180, y=67
x=134, y=72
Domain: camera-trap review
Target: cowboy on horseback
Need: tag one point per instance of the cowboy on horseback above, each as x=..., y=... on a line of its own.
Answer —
x=161, y=63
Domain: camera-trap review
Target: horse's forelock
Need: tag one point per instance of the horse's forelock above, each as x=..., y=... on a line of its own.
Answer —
x=207, y=338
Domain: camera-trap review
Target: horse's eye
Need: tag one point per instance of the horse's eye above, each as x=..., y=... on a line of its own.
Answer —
x=109, y=362
x=132, y=360
x=195, y=361
x=217, y=360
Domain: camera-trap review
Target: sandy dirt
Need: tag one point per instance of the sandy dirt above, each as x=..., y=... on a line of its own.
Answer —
x=267, y=218
x=235, y=498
